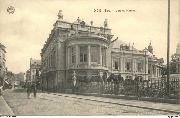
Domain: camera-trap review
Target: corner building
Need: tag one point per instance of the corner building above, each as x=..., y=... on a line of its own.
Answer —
x=75, y=47
x=87, y=51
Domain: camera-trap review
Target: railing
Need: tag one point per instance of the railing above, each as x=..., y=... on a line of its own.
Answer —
x=155, y=89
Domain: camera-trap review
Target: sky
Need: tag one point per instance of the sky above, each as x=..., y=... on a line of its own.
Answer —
x=25, y=31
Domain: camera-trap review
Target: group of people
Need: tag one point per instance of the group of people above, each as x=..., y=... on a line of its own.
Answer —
x=31, y=88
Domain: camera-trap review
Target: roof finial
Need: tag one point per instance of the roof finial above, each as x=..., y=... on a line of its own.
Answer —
x=91, y=23
x=79, y=20
x=60, y=15
x=105, y=23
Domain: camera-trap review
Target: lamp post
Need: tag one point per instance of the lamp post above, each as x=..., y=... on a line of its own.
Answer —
x=168, y=48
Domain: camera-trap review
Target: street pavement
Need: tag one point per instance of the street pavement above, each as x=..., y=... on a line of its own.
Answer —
x=4, y=108
x=71, y=104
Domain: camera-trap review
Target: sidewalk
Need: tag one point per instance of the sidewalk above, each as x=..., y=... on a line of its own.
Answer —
x=172, y=108
x=4, y=108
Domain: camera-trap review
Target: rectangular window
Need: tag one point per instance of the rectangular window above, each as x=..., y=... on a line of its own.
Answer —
x=94, y=54
x=73, y=54
x=129, y=65
x=51, y=60
x=103, y=55
x=140, y=66
x=83, y=53
x=116, y=64
x=54, y=58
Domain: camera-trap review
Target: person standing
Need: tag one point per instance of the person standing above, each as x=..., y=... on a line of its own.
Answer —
x=34, y=89
x=29, y=91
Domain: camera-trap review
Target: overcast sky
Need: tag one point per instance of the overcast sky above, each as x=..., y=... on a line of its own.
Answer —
x=24, y=32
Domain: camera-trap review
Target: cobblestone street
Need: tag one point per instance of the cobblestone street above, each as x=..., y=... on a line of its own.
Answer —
x=67, y=104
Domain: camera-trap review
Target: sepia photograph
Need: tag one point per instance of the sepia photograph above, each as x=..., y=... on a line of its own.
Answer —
x=90, y=58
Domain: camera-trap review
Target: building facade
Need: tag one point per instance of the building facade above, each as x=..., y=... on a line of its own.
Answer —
x=75, y=47
x=28, y=76
x=155, y=65
x=129, y=62
x=2, y=64
x=35, y=66
x=87, y=52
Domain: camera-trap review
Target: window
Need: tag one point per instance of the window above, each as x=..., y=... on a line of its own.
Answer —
x=94, y=54
x=116, y=64
x=103, y=55
x=73, y=54
x=140, y=65
x=129, y=65
x=149, y=68
x=51, y=60
x=3, y=55
x=44, y=63
x=83, y=53
x=3, y=64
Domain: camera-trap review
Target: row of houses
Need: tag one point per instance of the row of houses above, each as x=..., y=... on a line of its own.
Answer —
x=87, y=52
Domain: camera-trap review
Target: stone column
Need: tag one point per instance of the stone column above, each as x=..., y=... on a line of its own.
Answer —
x=89, y=55
x=132, y=65
x=77, y=55
x=122, y=64
x=100, y=57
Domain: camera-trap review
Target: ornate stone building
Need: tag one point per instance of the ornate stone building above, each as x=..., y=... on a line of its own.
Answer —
x=129, y=62
x=155, y=65
x=86, y=51
x=2, y=64
x=75, y=47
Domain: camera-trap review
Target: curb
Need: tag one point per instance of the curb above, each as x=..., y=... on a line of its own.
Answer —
x=149, y=99
x=10, y=112
x=131, y=98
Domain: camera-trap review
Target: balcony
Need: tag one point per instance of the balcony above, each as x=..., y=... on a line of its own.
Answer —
x=85, y=66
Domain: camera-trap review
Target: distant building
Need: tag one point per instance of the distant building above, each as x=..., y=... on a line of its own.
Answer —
x=177, y=56
x=10, y=77
x=28, y=76
x=155, y=65
x=175, y=62
x=35, y=66
x=19, y=78
x=2, y=64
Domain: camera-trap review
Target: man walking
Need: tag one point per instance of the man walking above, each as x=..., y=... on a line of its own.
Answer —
x=29, y=91
x=34, y=89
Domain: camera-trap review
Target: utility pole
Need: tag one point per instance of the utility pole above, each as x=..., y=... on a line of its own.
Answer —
x=168, y=48
x=145, y=64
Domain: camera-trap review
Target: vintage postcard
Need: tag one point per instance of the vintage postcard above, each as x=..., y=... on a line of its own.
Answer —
x=90, y=58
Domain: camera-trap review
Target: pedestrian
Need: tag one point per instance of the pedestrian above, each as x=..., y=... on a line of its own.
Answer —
x=34, y=89
x=42, y=88
x=29, y=91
